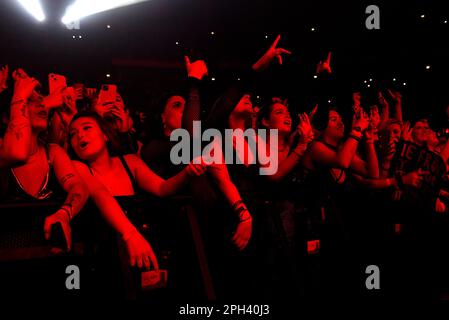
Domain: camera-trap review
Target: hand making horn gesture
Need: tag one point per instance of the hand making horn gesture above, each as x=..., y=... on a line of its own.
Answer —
x=272, y=53
x=325, y=65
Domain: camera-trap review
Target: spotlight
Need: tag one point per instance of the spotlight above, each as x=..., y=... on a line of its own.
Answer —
x=315, y=76
x=34, y=8
x=404, y=84
x=213, y=79
x=84, y=8
x=427, y=67
x=312, y=29
x=423, y=16
x=394, y=79
x=108, y=75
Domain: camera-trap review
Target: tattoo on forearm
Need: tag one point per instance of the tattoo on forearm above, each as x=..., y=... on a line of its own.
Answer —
x=23, y=111
x=17, y=129
x=66, y=178
x=74, y=199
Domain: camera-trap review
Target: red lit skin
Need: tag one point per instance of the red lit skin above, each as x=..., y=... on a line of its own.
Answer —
x=172, y=115
x=58, y=130
x=139, y=250
x=272, y=53
x=122, y=120
x=346, y=156
x=280, y=119
x=219, y=172
x=239, y=116
x=325, y=65
x=33, y=171
x=420, y=132
x=111, y=179
x=394, y=131
x=397, y=98
x=15, y=144
x=385, y=107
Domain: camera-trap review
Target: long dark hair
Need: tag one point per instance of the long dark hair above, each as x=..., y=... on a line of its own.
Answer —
x=112, y=144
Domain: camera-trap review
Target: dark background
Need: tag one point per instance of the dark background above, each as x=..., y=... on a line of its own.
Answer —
x=139, y=51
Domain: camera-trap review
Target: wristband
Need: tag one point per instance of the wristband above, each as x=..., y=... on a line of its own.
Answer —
x=63, y=208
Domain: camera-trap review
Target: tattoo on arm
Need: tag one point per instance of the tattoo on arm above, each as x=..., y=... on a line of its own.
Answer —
x=16, y=129
x=23, y=110
x=66, y=178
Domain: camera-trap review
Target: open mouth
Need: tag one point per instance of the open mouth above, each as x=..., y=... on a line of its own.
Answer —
x=83, y=145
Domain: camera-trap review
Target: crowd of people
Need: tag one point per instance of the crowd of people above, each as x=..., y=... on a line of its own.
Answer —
x=348, y=192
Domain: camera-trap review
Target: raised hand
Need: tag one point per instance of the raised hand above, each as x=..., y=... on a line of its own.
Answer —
x=54, y=100
x=356, y=102
x=374, y=117
x=305, y=129
x=90, y=93
x=23, y=86
x=313, y=112
x=395, y=95
x=382, y=101
x=360, y=120
x=4, y=73
x=325, y=65
x=272, y=53
x=123, y=122
x=406, y=133
x=197, y=69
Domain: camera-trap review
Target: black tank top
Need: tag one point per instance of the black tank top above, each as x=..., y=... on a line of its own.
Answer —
x=12, y=188
x=135, y=185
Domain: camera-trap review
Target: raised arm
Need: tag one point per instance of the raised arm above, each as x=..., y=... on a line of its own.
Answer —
x=15, y=145
x=196, y=71
x=397, y=97
x=305, y=132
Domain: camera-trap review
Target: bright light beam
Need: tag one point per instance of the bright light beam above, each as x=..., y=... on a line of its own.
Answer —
x=34, y=8
x=84, y=8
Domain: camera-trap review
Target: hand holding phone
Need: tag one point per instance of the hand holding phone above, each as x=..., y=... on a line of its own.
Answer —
x=56, y=82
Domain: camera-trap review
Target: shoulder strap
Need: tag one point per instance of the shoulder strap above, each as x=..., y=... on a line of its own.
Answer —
x=128, y=171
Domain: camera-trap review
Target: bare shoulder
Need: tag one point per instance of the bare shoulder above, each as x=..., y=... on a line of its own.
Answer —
x=133, y=160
